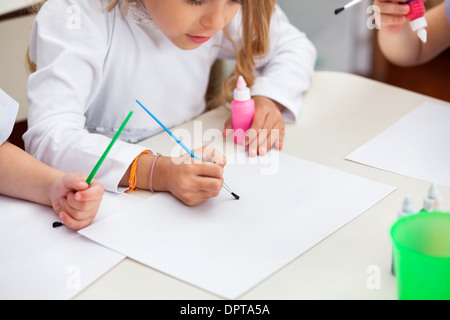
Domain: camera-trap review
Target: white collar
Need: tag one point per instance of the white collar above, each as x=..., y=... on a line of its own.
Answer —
x=136, y=11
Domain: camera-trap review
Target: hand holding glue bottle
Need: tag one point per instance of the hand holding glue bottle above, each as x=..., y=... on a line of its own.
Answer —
x=408, y=36
x=256, y=121
x=392, y=13
x=242, y=110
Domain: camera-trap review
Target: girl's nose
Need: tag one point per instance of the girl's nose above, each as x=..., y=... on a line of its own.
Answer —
x=214, y=18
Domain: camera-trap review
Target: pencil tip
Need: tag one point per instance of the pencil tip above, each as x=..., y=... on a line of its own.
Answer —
x=337, y=11
x=235, y=195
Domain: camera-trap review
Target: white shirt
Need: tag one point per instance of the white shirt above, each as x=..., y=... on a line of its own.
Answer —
x=93, y=64
x=8, y=113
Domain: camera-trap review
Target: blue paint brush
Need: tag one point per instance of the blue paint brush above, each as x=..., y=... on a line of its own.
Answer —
x=182, y=145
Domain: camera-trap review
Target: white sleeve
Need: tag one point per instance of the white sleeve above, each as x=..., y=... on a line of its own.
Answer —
x=69, y=45
x=285, y=74
x=8, y=113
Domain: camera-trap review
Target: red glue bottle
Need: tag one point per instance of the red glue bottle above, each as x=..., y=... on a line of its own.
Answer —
x=417, y=20
x=242, y=110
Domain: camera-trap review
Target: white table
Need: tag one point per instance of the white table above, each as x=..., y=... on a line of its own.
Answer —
x=340, y=113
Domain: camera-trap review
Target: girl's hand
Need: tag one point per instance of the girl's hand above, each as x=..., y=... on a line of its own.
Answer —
x=267, y=128
x=76, y=202
x=191, y=181
x=393, y=15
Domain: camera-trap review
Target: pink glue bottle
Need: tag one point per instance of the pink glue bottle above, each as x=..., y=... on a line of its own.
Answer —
x=242, y=110
x=417, y=19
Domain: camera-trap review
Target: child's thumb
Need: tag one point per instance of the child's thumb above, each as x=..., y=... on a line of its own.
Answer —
x=75, y=181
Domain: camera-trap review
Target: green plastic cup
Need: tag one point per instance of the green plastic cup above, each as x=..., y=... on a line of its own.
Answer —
x=421, y=246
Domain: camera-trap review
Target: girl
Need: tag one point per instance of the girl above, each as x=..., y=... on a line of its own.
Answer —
x=23, y=177
x=400, y=44
x=93, y=58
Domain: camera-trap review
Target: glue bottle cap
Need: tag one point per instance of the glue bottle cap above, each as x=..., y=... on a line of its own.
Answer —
x=242, y=92
x=419, y=25
x=407, y=208
x=433, y=191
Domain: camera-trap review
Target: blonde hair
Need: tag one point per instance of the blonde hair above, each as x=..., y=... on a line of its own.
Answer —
x=256, y=17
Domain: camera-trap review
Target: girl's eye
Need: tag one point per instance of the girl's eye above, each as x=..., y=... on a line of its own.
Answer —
x=200, y=2
x=195, y=2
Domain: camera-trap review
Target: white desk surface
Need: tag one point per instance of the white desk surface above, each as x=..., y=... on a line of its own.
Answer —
x=340, y=113
x=8, y=6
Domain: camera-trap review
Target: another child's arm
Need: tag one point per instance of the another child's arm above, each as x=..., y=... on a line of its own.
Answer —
x=26, y=178
x=400, y=45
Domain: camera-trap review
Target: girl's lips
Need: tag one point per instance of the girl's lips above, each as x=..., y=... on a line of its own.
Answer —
x=198, y=39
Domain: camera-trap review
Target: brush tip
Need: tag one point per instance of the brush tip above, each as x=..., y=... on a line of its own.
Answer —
x=235, y=195
x=337, y=11
x=57, y=224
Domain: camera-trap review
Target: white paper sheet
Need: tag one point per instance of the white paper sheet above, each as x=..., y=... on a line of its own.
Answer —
x=227, y=246
x=8, y=113
x=39, y=262
x=417, y=146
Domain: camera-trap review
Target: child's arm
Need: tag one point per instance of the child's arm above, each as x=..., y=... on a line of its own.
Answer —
x=189, y=180
x=26, y=178
x=400, y=44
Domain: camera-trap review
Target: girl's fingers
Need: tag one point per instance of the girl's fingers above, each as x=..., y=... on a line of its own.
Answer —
x=211, y=155
x=275, y=138
x=79, y=210
x=391, y=21
x=392, y=8
x=228, y=128
x=258, y=144
x=75, y=181
x=197, y=181
x=75, y=224
x=94, y=193
x=259, y=120
x=267, y=127
x=75, y=206
x=209, y=186
x=265, y=139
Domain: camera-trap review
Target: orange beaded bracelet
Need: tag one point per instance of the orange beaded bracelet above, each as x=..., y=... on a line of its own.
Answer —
x=132, y=181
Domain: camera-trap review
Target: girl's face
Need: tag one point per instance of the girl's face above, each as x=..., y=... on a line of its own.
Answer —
x=189, y=23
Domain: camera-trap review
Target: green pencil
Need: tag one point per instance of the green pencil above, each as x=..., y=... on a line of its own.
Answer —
x=99, y=163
